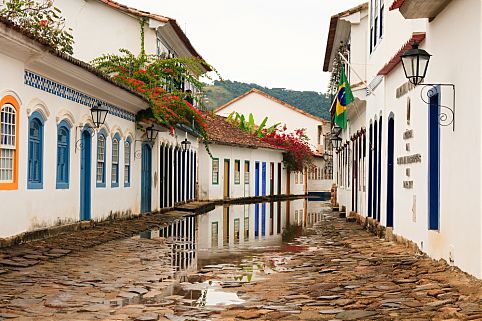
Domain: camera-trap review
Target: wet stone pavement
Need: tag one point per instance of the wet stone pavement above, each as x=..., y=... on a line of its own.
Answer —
x=334, y=271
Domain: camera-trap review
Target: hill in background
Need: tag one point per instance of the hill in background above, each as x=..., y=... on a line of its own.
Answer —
x=310, y=101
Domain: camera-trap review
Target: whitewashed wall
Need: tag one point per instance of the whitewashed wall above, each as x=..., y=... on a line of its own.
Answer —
x=262, y=107
x=27, y=209
x=458, y=239
x=208, y=190
x=100, y=29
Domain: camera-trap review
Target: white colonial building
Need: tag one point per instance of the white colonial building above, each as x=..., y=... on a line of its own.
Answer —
x=240, y=165
x=414, y=135
x=56, y=167
x=262, y=105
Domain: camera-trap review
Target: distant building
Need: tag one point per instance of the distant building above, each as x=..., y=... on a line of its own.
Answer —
x=240, y=165
x=262, y=105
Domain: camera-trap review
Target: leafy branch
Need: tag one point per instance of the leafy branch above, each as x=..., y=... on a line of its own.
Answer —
x=42, y=20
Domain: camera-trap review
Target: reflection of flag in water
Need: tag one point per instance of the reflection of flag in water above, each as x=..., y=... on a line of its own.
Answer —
x=343, y=99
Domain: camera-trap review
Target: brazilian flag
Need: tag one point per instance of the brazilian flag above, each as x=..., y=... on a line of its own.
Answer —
x=343, y=98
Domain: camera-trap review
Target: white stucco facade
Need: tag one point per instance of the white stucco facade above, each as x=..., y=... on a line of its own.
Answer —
x=49, y=91
x=212, y=176
x=434, y=203
x=261, y=105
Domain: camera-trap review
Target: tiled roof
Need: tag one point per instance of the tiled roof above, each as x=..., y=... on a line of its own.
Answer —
x=7, y=23
x=262, y=93
x=332, y=31
x=221, y=132
x=396, y=4
x=145, y=14
x=418, y=37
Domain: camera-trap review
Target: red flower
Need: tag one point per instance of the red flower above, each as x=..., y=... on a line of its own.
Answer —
x=43, y=23
x=167, y=70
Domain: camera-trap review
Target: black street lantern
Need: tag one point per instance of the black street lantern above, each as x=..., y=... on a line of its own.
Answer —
x=415, y=62
x=326, y=156
x=185, y=144
x=336, y=130
x=336, y=141
x=151, y=133
x=98, y=115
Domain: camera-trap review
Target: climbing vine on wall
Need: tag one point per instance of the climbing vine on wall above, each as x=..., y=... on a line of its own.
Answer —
x=338, y=63
x=161, y=80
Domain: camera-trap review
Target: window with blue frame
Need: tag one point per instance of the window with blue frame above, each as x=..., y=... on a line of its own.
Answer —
x=115, y=161
x=35, y=151
x=100, y=174
x=63, y=157
x=127, y=163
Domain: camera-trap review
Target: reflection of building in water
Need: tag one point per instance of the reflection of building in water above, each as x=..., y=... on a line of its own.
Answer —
x=315, y=212
x=239, y=224
x=181, y=237
x=297, y=212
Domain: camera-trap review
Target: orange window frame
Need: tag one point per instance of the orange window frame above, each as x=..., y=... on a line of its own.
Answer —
x=12, y=101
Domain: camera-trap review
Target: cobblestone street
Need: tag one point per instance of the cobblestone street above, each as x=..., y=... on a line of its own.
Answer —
x=336, y=270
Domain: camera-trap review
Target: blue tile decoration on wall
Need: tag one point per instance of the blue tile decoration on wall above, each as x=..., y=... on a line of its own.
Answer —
x=40, y=82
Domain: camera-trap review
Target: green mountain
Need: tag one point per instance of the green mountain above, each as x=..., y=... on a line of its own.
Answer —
x=221, y=92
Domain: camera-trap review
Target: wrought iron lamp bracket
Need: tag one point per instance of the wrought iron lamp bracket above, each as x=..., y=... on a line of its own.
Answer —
x=138, y=152
x=78, y=141
x=446, y=113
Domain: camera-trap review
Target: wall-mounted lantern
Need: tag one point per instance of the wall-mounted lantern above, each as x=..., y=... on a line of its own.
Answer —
x=415, y=64
x=98, y=115
x=151, y=134
x=336, y=141
x=185, y=144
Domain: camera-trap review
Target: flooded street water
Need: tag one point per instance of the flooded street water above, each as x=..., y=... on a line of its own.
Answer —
x=227, y=248
x=189, y=268
x=292, y=260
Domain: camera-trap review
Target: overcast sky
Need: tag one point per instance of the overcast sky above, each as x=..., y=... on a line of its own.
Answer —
x=274, y=43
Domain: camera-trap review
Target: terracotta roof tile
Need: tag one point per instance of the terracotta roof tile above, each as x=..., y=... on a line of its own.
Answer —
x=224, y=133
x=389, y=66
x=332, y=31
x=396, y=4
x=7, y=23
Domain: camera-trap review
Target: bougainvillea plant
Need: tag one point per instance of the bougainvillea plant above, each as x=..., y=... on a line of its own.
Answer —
x=298, y=155
x=161, y=80
x=41, y=19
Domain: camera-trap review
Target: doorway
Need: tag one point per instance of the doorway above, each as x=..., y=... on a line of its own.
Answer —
x=85, y=175
x=434, y=162
x=390, y=170
x=146, y=178
x=226, y=178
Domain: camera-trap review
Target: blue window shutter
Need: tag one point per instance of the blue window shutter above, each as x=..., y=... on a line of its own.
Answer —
x=63, y=159
x=35, y=152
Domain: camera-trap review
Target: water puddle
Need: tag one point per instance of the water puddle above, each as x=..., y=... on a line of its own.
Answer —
x=213, y=255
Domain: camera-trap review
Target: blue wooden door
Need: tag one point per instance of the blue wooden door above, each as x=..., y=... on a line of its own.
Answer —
x=434, y=162
x=390, y=171
x=256, y=193
x=263, y=206
x=85, y=176
x=146, y=178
